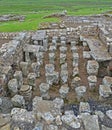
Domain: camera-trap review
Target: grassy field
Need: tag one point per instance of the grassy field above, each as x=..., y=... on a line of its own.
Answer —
x=35, y=10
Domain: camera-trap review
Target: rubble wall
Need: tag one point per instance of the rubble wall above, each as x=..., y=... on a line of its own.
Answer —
x=12, y=53
x=8, y=36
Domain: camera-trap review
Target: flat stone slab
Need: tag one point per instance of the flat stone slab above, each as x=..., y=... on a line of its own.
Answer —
x=90, y=122
x=6, y=127
x=98, y=50
x=43, y=106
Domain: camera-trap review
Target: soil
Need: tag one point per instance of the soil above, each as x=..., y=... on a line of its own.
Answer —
x=54, y=91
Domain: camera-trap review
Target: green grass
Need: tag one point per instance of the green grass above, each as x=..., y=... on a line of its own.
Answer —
x=36, y=9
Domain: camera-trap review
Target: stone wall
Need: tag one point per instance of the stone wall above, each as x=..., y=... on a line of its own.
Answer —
x=11, y=53
x=8, y=35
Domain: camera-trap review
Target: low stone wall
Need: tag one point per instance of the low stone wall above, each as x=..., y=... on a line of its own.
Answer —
x=8, y=36
x=11, y=53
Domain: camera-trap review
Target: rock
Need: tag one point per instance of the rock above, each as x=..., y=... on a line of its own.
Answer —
x=6, y=127
x=43, y=106
x=92, y=67
x=4, y=119
x=75, y=59
x=32, y=80
x=58, y=120
x=44, y=87
x=86, y=55
x=52, y=127
x=62, y=38
x=84, y=43
x=63, y=49
x=64, y=66
x=48, y=117
x=25, y=68
x=80, y=91
x=73, y=43
x=18, y=101
x=75, y=72
x=52, y=49
x=74, y=49
x=84, y=107
x=109, y=114
x=39, y=126
x=18, y=75
x=105, y=128
x=92, y=81
x=90, y=122
x=105, y=91
x=100, y=114
x=26, y=92
x=13, y=86
x=52, y=78
x=62, y=58
x=54, y=41
x=23, y=119
x=63, y=43
x=58, y=103
x=70, y=119
x=49, y=68
x=64, y=76
x=63, y=128
x=6, y=105
x=51, y=58
x=64, y=91
x=36, y=68
x=75, y=82
x=40, y=56
x=107, y=80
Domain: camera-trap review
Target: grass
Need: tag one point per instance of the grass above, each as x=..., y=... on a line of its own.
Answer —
x=35, y=10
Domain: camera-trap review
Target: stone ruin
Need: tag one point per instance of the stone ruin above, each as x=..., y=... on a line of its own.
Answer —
x=58, y=79
x=10, y=17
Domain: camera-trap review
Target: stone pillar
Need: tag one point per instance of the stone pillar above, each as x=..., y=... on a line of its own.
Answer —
x=92, y=81
x=75, y=72
x=40, y=57
x=51, y=58
x=80, y=92
x=52, y=49
x=64, y=91
x=25, y=68
x=73, y=43
x=74, y=49
x=63, y=49
x=27, y=57
x=75, y=59
x=64, y=76
x=92, y=67
x=32, y=80
x=52, y=78
x=18, y=101
x=62, y=58
x=44, y=88
x=18, y=75
x=45, y=44
x=26, y=92
x=49, y=68
x=36, y=68
x=13, y=86
x=110, y=49
x=76, y=81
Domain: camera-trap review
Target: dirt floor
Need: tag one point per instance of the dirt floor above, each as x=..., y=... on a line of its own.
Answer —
x=54, y=91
